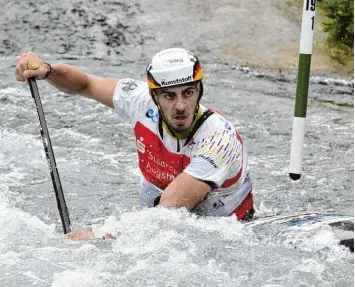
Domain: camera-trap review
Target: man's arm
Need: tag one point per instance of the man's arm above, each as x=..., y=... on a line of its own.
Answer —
x=184, y=191
x=67, y=79
x=71, y=80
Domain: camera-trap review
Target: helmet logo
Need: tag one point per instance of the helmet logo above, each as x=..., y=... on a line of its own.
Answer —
x=176, y=82
x=171, y=62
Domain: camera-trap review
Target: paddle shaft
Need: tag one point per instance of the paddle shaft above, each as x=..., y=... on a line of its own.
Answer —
x=62, y=207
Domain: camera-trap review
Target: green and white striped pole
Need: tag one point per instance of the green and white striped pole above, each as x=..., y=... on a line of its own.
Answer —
x=304, y=66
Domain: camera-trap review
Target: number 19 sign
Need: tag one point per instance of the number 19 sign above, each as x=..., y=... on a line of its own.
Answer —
x=304, y=65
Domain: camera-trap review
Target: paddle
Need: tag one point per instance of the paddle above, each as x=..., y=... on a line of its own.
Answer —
x=62, y=207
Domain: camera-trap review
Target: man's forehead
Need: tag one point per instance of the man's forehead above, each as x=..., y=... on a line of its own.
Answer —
x=178, y=88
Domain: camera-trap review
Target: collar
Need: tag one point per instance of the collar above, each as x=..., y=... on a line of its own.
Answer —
x=184, y=134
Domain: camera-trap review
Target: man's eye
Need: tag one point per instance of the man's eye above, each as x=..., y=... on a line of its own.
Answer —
x=189, y=93
x=168, y=96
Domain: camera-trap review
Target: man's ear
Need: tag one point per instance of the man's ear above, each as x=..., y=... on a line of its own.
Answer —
x=200, y=89
x=199, y=85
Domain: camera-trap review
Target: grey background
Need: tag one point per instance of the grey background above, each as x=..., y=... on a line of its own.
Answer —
x=249, y=51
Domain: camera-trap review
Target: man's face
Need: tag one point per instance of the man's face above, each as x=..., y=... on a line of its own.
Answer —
x=178, y=105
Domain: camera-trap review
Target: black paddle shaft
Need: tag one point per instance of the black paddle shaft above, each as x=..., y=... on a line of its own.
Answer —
x=62, y=207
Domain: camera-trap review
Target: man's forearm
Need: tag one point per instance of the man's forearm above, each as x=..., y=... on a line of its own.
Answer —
x=184, y=191
x=69, y=79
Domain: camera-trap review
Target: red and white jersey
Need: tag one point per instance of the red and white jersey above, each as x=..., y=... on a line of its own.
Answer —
x=215, y=154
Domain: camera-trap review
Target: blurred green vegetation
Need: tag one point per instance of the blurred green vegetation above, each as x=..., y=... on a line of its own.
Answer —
x=339, y=26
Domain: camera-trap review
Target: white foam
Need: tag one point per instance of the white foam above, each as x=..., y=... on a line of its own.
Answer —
x=28, y=147
x=80, y=277
x=15, y=222
x=314, y=238
x=10, y=258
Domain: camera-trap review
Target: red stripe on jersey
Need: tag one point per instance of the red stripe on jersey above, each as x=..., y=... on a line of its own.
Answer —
x=233, y=180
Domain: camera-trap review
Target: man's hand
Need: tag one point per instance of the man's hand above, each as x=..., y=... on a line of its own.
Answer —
x=78, y=235
x=30, y=66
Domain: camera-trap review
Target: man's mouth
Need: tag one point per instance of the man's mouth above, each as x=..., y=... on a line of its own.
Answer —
x=180, y=118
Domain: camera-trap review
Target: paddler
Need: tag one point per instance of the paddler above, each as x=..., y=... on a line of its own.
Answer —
x=189, y=156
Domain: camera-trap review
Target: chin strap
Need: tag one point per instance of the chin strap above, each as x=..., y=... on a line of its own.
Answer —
x=197, y=125
x=171, y=130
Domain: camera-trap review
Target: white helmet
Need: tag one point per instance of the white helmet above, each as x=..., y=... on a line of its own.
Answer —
x=173, y=67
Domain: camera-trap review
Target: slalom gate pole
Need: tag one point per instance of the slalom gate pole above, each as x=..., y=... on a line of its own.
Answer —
x=299, y=120
x=62, y=207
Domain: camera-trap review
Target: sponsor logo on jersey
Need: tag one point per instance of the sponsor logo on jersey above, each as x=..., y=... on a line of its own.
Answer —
x=176, y=82
x=154, y=117
x=227, y=126
x=218, y=204
x=140, y=145
x=129, y=85
x=207, y=158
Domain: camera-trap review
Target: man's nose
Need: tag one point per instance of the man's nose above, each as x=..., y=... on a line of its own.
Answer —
x=180, y=104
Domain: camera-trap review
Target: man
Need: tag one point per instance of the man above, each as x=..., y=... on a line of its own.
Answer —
x=189, y=156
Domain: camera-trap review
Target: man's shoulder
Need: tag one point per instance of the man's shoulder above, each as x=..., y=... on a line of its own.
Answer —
x=128, y=85
x=131, y=98
x=215, y=124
